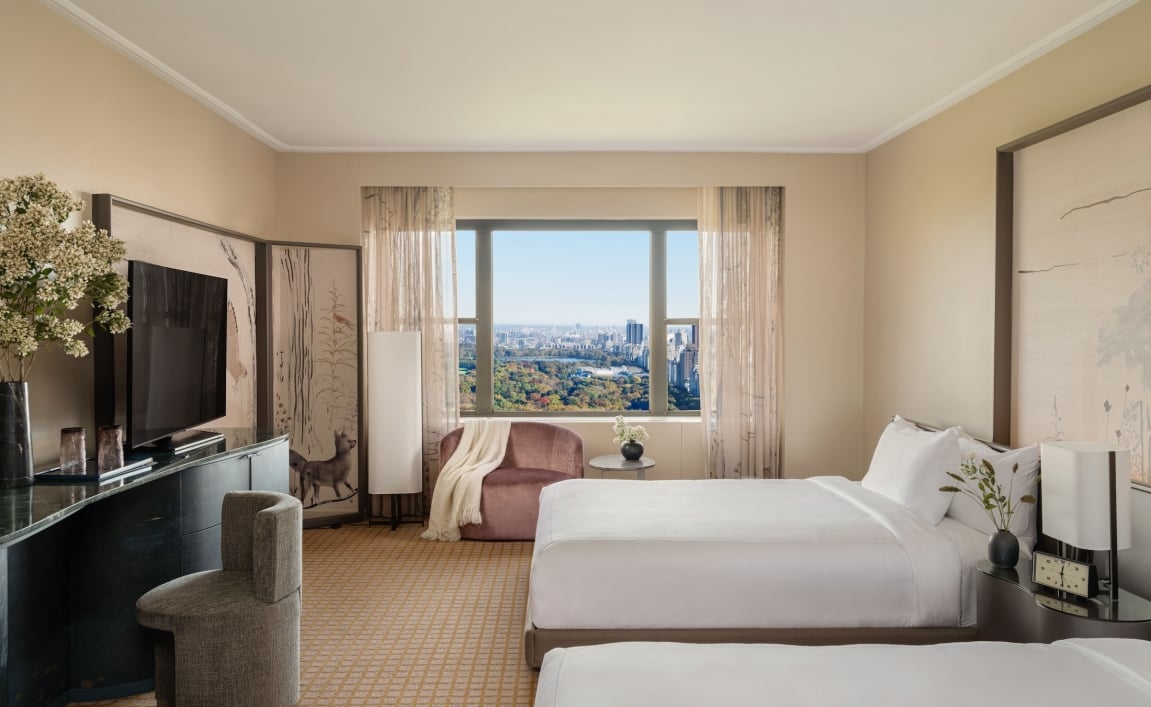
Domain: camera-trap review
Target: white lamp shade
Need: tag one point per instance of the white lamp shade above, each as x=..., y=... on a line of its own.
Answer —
x=1076, y=494
x=395, y=418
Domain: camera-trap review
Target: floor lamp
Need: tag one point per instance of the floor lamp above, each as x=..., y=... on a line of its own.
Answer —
x=1086, y=492
x=395, y=416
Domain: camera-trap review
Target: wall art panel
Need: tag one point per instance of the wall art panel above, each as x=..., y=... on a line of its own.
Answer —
x=1082, y=283
x=315, y=379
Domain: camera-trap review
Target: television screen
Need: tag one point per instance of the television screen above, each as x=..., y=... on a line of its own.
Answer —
x=176, y=352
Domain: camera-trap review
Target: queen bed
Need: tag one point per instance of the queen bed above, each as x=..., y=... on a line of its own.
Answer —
x=1100, y=671
x=819, y=560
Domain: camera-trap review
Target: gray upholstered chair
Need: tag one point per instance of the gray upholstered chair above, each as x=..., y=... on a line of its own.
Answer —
x=232, y=636
x=538, y=454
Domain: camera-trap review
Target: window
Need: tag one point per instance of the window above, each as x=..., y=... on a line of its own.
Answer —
x=578, y=317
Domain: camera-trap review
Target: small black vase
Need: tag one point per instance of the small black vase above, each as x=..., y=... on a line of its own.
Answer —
x=15, y=435
x=1003, y=549
x=631, y=451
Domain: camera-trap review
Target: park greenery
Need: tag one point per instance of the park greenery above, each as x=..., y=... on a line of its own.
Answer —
x=544, y=380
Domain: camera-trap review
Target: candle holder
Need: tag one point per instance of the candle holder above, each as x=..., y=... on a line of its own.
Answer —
x=73, y=451
x=110, y=448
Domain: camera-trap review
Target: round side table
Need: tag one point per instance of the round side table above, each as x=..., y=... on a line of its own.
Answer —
x=616, y=463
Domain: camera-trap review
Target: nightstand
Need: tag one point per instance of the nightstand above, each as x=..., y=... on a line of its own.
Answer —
x=1013, y=608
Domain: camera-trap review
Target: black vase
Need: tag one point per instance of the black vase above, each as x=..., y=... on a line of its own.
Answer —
x=631, y=451
x=1003, y=549
x=15, y=435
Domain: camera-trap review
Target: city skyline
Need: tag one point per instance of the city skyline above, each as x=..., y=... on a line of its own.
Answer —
x=605, y=337
x=598, y=367
x=617, y=332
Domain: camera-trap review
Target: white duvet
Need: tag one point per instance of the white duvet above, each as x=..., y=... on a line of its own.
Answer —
x=1099, y=671
x=818, y=552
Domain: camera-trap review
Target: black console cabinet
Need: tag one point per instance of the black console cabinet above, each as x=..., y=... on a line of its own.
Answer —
x=74, y=559
x=201, y=489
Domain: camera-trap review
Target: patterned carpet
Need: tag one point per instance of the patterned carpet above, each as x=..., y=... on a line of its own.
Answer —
x=391, y=619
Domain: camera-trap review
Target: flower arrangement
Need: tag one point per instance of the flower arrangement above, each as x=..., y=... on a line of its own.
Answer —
x=627, y=433
x=977, y=481
x=46, y=270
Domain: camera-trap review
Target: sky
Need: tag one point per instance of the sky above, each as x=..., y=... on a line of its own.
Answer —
x=587, y=277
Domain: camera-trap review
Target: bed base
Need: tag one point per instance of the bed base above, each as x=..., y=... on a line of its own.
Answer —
x=538, y=641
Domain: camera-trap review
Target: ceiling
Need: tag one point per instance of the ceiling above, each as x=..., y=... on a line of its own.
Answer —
x=547, y=75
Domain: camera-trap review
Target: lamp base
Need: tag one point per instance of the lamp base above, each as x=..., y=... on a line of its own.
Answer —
x=397, y=517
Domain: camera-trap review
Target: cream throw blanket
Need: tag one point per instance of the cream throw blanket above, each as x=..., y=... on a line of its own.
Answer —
x=456, y=499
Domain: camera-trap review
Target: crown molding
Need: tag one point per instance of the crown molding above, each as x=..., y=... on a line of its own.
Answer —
x=1048, y=43
x=591, y=147
x=131, y=50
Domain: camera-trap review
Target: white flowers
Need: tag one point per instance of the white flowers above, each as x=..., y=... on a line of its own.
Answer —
x=627, y=433
x=46, y=270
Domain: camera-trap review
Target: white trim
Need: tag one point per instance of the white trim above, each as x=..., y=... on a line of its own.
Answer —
x=1055, y=39
x=591, y=147
x=1060, y=36
x=131, y=50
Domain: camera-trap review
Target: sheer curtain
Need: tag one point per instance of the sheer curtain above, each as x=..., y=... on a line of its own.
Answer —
x=409, y=243
x=739, y=277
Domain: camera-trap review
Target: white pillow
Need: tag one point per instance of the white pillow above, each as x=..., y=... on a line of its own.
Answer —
x=969, y=512
x=909, y=465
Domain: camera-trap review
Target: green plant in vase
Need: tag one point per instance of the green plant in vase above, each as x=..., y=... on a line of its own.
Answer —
x=46, y=271
x=977, y=481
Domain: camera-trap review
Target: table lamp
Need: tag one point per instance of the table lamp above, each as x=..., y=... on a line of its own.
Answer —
x=1086, y=496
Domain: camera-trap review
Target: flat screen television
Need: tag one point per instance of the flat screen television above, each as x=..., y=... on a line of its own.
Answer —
x=167, y=373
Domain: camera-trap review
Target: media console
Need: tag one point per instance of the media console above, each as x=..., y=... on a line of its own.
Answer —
x=74, y=559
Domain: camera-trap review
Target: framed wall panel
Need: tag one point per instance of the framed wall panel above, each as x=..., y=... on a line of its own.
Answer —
x=315, y=382
x=1075, y=231
x=167, y=239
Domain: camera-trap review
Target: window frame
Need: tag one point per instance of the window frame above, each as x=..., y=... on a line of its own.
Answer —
x=657, y=309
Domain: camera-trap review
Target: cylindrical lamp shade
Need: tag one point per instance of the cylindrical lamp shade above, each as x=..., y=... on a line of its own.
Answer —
x=395, y=417
x=1076, y=494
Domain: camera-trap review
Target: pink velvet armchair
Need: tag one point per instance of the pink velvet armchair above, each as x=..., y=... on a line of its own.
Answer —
x=538, y=454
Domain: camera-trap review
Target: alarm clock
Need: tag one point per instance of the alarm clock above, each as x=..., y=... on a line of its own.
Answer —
x=1079, y=578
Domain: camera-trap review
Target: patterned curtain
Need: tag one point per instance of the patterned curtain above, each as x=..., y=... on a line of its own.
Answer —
x=739, y=277
x=409, y=243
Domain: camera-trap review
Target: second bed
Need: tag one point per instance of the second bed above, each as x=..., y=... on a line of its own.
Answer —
x=1099, y=671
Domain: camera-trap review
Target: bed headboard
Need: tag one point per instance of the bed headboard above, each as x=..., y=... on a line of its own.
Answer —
x=931, y=428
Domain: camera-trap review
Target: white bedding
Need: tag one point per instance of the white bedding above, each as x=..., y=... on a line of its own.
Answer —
x=1100, y=671
x=808, y=553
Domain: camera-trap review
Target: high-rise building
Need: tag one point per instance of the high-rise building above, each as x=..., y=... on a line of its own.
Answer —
x=687, y=361
x=634, y=332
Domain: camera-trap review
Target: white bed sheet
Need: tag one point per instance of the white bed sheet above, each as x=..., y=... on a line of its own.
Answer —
x=1100, y=671
x=808, y=553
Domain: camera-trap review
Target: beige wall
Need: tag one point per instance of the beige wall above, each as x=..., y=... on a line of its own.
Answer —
x=95, y=121
x=931, y=227
x=319, y=201
x=674, y=445
x=931, y=237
